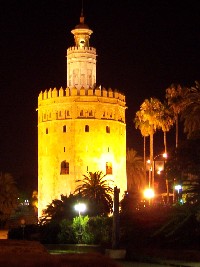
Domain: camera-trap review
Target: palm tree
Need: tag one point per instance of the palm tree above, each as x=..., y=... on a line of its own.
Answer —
x=175, y=98
x=95, y=188
x=148, y=121
x=134, y=165
x=145, y=130
x=60, y=209
x=191, y=112
x=166, y=122
x=8, y=196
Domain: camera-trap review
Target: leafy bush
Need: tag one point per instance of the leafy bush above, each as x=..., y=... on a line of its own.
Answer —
x=81, y=230
x=101, y=227
x=49, y=233
x=66, y=234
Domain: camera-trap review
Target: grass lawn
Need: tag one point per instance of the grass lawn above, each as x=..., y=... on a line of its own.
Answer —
x=33, y=254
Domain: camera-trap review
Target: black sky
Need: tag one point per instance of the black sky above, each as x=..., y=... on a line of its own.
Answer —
x=142, y=47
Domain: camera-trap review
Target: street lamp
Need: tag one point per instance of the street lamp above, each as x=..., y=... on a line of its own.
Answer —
x=80, y=207
x=151, y=168
x=178, y=188
x=161, y=168
x=149, y=194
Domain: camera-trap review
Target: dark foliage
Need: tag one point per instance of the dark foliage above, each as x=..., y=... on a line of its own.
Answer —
x=95, y=189
x=61, y=209
x=49, y=233
x=184, y=160
x=131, y=202
x=28, y=232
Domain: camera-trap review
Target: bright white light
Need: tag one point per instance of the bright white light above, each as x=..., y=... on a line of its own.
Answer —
x=178, y=187
x=80, y=207
x=149, y=193
x=165, y=155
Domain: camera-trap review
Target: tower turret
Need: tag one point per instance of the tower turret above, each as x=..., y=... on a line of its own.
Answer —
x=82, y=33
x=81, y=58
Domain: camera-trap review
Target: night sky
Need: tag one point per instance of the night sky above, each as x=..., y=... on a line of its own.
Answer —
x=143, y=47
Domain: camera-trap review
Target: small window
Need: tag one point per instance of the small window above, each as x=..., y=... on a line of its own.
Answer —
x=60, y=113
x=81, y=113
x=64, y=129
x=86, y=128
x=67, y=113
x=47, y=130
x=64, y=167
x=64, y=148
x=108, y=168
x=107, y=129
x=90, y=113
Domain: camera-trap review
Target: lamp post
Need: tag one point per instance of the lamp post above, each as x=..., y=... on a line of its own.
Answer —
x=80, y=207
x=149, y=194
x=150, y=170
x=178, y=188
x=161, y=168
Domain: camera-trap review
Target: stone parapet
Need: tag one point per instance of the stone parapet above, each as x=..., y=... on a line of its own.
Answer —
x=101, y=95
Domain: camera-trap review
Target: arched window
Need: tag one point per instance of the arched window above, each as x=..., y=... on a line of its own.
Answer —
x=64, y=128
x=107, y=129
x=108, y=168
x=87, y=128
x=64, y=167
x=47, y=130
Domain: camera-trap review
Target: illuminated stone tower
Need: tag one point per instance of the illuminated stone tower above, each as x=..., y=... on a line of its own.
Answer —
x=81, y=128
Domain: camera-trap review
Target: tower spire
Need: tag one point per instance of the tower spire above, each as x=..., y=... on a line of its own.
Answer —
x=82, y=16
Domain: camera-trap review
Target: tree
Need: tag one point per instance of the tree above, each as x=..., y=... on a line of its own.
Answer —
x=8, y=196
x=166, y=122
x=191, y=112
x=135, y=173
x=95, y=188
x=60, y=209
x=183, y=167
x=175, y=99
x=148, y=120
x=145, y=130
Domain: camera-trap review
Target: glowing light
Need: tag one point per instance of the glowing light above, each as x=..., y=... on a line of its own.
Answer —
x=165, y=155
x=178, y=187
x=160, y=169
x=80, y=207
x=149, y=193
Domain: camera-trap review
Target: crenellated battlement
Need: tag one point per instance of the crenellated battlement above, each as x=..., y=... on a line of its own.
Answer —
x=81, y=49
x=101, y=95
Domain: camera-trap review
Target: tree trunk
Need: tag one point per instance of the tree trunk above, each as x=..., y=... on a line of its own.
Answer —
x=145, y=162
x=166, y=180
x=165, y=141
x=151, y=157
x=177, y=131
